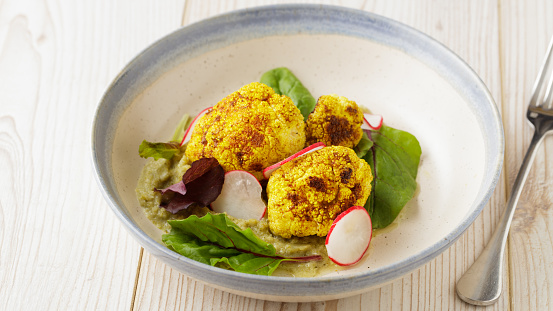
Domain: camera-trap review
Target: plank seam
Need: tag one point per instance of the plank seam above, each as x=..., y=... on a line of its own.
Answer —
x=505, y=177
x=184, y=11
x=138, y=267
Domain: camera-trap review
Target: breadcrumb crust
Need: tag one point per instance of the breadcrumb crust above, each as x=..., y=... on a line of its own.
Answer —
x=249, y=130
x=336, y=121
x=308, y=193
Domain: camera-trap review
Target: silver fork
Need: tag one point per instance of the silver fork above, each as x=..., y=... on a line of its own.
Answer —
x=482, y=282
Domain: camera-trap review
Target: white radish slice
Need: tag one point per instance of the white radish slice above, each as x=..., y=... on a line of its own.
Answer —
x=188, y=132
x=349, y=236
x=372, y=121
x=269, y=170
x=240, y=196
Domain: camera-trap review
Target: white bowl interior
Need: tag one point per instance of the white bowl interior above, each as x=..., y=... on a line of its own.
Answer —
x=410, y=95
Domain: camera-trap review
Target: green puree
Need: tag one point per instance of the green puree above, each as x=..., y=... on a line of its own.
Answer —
x=293, y=247
x=161, y=173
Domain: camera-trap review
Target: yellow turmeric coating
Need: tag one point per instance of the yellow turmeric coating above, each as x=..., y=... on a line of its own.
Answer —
x=308, y=193
x=249, y=130
x=335, y=121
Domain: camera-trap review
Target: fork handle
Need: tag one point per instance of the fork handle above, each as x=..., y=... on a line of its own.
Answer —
x=482, y=283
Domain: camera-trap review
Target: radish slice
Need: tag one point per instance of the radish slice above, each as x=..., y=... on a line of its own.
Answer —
x=240, y=196
x=349, y=236
x=188, y=132
x=371, y=121
x=269, y=170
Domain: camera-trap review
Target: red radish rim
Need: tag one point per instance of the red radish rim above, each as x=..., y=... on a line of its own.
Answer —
x=192, y=124
x=304, y=151
x=344, y=213
x=366, y=122
x=341, y=215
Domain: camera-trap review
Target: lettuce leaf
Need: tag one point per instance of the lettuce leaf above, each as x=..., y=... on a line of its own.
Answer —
x=215, y=239
x=158, y=150
x=165, y=150
x=394, y=159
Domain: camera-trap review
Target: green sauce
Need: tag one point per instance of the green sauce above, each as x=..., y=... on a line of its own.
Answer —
x=159, y=174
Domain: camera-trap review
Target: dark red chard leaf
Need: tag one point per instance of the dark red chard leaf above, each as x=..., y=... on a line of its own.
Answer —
x=202, y=183
x=200, y=168
x=179, y=188
x=171, y=197
x=204, y=180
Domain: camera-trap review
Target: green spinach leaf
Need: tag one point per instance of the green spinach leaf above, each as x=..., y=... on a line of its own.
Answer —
x=214, y=239
x=394, y=159
x=283, y=82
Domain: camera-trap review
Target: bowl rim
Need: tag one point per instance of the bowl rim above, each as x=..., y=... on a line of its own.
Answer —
x=291, y=286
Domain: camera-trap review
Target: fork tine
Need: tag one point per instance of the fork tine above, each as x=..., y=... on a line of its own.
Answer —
x=548, y=97
x=536, y=91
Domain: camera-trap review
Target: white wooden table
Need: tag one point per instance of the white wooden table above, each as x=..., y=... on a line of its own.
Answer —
x=61, y=247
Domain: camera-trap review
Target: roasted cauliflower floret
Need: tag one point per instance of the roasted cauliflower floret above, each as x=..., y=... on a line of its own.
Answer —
x=335, y=121
x=308, y=193
x=249, y=130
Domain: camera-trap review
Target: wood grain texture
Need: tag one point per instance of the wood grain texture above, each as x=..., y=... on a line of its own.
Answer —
x=61, y=246
x=470, y=29
x=526, y=30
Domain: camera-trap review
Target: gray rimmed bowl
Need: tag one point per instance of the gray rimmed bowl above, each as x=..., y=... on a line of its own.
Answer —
x=415, y=82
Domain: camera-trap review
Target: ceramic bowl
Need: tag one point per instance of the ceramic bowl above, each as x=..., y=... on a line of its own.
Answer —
x=416, y=83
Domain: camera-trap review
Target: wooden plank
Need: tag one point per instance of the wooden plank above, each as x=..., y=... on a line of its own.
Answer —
x=61, y=246
x=525, y=32
x=470, y=29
